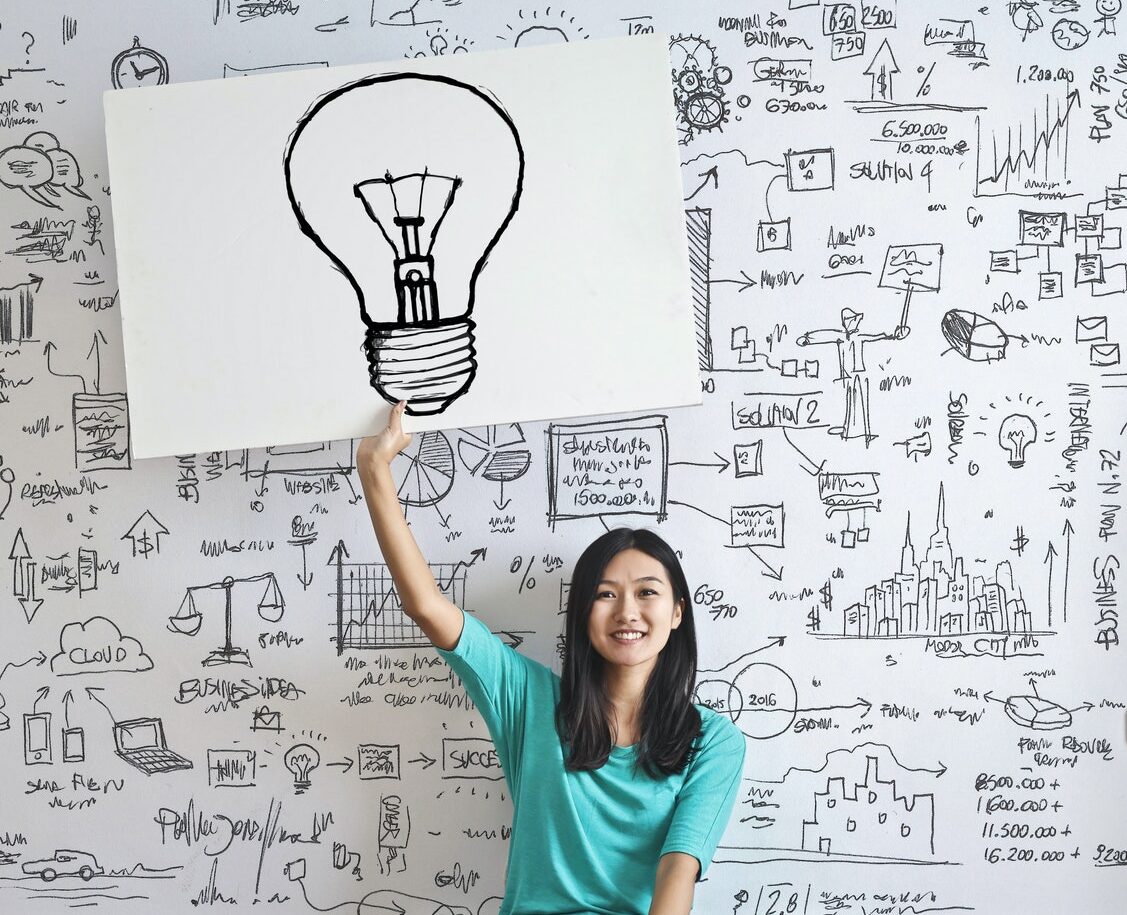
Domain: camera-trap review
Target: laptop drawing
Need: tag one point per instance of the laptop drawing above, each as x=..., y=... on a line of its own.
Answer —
x=140, y=743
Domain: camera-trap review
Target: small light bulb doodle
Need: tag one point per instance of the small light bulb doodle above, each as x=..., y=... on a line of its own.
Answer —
x=301, y=759
x=1016, y=433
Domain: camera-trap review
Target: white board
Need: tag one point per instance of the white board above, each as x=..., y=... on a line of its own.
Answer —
x=548, y=224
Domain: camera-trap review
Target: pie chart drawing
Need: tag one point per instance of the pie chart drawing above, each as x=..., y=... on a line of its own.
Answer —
x=761, y=700
x=974, y=337
x=1037, y=713
x=498, y=455
x=424, y=472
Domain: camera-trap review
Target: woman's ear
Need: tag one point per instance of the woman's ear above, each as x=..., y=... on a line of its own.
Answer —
x=677, y=611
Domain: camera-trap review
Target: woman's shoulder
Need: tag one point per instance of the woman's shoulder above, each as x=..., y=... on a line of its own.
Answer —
x=716, y=728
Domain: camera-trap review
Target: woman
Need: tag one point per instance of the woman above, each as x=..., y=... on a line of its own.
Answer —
x=621, y=786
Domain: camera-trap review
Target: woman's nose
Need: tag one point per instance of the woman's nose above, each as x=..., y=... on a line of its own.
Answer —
x=627, y=609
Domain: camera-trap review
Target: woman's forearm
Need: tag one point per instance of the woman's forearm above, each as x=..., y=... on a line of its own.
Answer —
x=674, y=885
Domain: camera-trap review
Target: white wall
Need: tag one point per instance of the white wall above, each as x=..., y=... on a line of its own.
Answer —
x=1002, y=746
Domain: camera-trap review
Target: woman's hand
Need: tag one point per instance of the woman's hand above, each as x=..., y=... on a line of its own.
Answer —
x=379, y=449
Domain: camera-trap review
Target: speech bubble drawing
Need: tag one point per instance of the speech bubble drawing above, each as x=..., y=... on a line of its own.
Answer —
x=41, y=165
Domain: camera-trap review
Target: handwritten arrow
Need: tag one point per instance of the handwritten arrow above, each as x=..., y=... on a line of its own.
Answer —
x=881, y=69
x=347, y=764
x=723, y=465
x=424, y=759
x=23, y=576
x=338, y=555
x=39, y=697
x=745, y=284
x=502, y=503
x=306, y=577
x=739, y=663
x=96, y=350
x=771, y=571
x=1068, y=532
x=712, y=175
x=513, y=640
x=814, y=469
x=47, y=350
x=30, y=606
x=459, y=565
x=1049, y=554
x=776, y=642
x=38, y=658
x=701, y=510
x=90, y=690
x=140, y=533
x=68, y=698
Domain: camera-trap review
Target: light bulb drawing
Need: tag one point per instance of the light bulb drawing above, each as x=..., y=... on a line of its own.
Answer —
x=301, y=759
x=1016, y=433
x=406, y=182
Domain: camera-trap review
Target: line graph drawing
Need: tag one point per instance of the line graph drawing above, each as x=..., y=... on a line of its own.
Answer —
x=369, y=613
x=1029, y=158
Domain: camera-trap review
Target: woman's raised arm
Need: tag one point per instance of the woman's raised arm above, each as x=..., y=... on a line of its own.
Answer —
x=419, y=594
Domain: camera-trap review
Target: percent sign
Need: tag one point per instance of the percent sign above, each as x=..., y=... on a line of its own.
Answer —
x=925, y=86
x=524, y=570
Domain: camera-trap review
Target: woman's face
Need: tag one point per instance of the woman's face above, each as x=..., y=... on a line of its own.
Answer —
x=635, y=594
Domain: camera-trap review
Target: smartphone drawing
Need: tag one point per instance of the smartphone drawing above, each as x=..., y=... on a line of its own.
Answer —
x=37, y=738
x=74, y=745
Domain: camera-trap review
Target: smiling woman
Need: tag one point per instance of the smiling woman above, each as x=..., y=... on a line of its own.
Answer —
x=621, y=785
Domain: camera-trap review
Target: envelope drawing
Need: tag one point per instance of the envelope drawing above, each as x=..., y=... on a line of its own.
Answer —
x=266, y=720
x=1104, y=354
x=1091, y=329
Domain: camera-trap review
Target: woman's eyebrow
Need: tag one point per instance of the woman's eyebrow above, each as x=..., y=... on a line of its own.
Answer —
x=608, y=581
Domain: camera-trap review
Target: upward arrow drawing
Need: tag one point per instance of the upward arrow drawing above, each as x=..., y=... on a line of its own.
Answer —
x=145, y=532
x=90, y=690
x=881, y=68
x=1067, y=533
x=23, y=576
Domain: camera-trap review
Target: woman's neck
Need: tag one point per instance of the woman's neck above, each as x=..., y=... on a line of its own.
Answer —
x=626, y=687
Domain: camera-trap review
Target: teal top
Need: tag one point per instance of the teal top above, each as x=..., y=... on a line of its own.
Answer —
x=589, y=842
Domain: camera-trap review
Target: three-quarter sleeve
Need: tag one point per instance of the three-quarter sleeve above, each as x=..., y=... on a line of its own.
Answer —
x=706, y=799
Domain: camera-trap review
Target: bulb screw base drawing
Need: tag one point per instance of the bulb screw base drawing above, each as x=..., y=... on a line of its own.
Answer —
x=428, y=366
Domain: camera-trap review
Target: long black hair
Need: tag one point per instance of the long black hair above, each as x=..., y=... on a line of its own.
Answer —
x=670, y=722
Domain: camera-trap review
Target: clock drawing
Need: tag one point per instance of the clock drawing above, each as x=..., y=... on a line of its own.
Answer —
x=139, y=66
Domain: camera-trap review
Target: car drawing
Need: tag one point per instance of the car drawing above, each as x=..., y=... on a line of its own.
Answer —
x=65, y=863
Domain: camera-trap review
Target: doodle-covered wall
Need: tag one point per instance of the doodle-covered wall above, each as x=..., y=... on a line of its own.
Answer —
x=899, y=504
